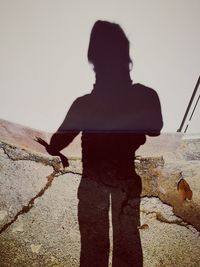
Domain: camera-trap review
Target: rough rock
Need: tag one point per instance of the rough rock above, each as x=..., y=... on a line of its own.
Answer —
x=39, y=207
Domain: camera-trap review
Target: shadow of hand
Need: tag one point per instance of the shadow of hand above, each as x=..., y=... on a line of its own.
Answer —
x=41, y=142
x=52, y=152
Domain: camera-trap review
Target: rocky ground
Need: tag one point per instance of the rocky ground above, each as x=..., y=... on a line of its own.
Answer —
x=38, y=208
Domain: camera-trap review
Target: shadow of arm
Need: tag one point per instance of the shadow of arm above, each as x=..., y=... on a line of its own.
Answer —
x=155, y=120
x=68, y=130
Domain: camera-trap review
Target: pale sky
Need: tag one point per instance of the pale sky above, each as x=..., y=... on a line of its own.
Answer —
x=43, y=55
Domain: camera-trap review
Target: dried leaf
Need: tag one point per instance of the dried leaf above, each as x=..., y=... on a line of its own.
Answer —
x=184, y=190
x=143, y=227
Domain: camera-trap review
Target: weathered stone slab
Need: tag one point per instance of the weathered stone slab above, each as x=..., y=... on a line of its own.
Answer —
x=39, y=223
x=20, y=181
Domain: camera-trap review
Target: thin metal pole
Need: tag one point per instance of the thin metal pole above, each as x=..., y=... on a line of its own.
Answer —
x=189, y=106
x=192, y=114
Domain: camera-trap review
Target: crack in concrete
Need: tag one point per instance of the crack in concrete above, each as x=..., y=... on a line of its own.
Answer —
x=57, y=171
x=56, y=165
x=55, y=162
x=63, y=172
x=179, y=221
x=161, y=218
x=29, y=206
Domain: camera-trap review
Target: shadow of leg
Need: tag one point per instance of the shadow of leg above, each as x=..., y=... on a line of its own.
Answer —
x=127, y=250
x=93, y=219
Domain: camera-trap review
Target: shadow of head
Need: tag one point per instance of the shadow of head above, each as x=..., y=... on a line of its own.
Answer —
x=108, y=48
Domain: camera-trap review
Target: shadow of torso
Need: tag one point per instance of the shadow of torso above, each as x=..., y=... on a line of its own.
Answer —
x=114, y=124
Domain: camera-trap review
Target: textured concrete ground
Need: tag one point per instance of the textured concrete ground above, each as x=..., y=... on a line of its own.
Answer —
x=38, y=210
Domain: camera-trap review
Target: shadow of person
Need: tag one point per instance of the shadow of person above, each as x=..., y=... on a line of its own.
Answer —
x=114, y=120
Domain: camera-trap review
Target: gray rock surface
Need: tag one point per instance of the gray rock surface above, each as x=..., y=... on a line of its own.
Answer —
x=38, y=208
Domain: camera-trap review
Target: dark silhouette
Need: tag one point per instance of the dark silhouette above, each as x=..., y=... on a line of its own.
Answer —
x=114, y=120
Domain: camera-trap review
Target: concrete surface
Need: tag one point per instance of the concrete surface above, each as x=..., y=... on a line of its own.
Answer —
x=38, y=208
